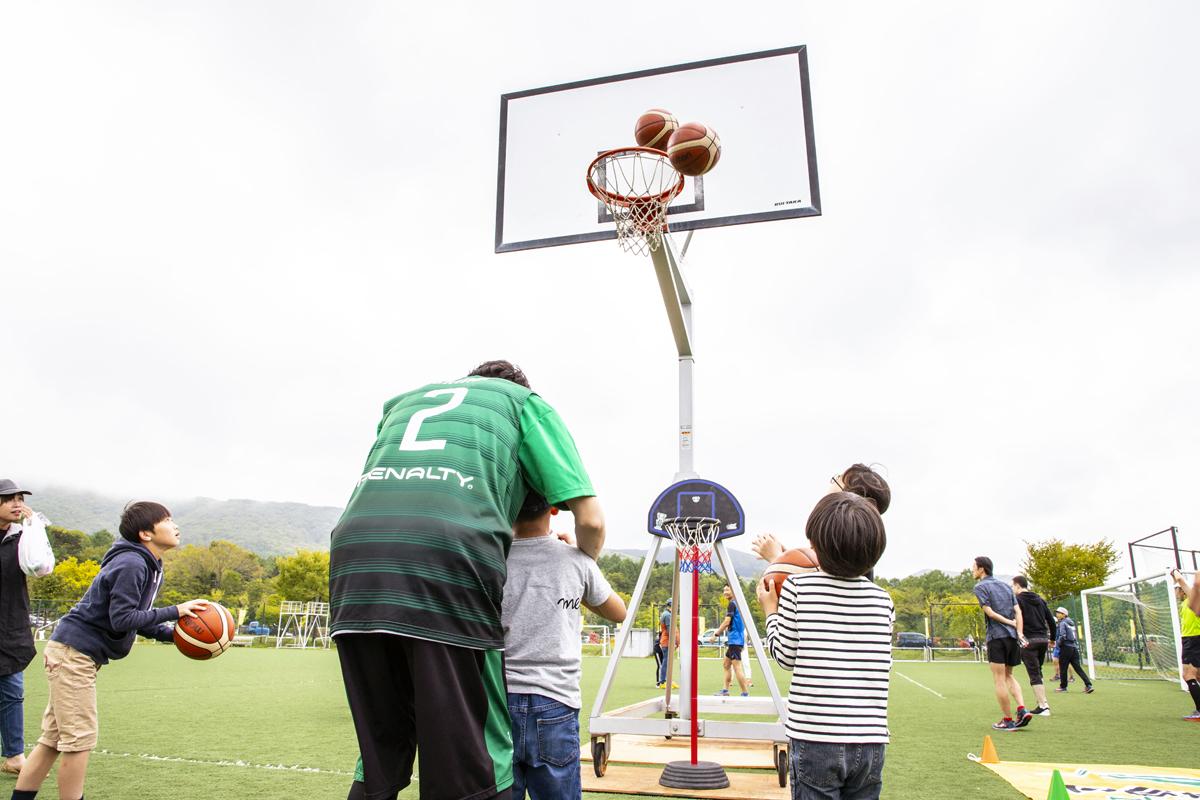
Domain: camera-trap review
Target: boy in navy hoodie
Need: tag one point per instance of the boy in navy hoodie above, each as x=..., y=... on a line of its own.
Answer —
x=101, y=627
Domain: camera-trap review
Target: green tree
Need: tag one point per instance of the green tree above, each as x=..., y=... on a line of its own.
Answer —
x=1057, y=569
x=66, y=584
x=303, y=576
x=67, y=543
x=221, y=571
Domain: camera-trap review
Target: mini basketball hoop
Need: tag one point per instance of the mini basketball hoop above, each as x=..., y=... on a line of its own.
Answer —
x=694, y=538
x=636, y=184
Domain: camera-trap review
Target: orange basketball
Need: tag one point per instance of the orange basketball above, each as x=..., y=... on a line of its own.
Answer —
x=694, y=149
x=792, y=562
x=206, y=635
x=654, y=128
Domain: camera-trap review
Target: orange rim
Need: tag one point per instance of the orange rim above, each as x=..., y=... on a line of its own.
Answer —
x=631, y=200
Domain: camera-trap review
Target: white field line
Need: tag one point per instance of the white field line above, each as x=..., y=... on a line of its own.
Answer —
x=227, y=763
x=923, y=686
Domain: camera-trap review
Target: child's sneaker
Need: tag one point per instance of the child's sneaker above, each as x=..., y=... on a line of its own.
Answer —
x=722, y=693
x=1059, y=689
x=1023, y=718
x=1041, y=711
x=1005, y=724
x=1193, y=717
x=745, y=694
x=1089, y=689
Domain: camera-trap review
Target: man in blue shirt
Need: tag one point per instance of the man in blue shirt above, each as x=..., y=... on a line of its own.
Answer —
x=734, y=644
x=1004, y=641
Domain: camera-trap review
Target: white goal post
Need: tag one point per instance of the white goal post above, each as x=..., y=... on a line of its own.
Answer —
x=1131, y=630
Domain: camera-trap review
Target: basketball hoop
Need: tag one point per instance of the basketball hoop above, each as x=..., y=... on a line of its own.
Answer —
x=636, y=184
x=694, y=538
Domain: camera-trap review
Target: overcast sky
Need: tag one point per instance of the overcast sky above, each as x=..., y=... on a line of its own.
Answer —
x=230, y=231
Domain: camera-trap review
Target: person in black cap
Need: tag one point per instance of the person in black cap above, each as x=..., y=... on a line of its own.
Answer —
x=16, y=646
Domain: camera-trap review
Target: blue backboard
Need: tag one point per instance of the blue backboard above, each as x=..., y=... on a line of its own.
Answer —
x=697, y=497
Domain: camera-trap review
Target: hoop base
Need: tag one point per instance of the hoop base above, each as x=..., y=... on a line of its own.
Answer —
x=701, y=775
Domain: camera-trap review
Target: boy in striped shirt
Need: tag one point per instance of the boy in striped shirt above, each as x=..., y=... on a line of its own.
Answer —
x=833, y=629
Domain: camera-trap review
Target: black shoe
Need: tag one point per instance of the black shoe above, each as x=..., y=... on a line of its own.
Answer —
x=1041, y=711
x=1089, y=689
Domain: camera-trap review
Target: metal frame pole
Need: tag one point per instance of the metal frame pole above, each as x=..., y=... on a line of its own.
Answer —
x=1087, y=636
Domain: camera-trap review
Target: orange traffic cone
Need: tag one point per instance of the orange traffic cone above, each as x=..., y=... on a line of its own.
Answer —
x=989, y=752
x=1058, y=788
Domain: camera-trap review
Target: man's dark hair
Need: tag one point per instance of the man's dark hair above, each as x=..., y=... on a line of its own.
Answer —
x=141, y=516
x=534, y=506
x=1021, y=580
x=862, y=480
x=502, y=369
x=985, y=564
x=847, y=534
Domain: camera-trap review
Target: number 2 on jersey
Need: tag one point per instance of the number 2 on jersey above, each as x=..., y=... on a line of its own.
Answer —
x=413, y=429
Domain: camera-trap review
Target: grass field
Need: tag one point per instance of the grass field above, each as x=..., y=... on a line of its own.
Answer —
x=274, y=724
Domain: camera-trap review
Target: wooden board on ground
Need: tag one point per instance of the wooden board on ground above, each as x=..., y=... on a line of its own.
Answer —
x=624, y=779
x=735, y=753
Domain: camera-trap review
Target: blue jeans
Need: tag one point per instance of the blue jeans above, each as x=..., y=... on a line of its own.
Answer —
x=545, y=748
x=12, y=713
x=827, y=771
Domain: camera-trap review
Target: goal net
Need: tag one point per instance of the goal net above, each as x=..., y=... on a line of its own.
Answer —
x=1131, y=630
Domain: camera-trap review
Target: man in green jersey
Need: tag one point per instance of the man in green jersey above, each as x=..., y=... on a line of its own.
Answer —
x=417, y=572
x=1189, y=630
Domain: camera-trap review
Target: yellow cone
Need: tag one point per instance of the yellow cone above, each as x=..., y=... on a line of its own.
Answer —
x=1058, y=788
x=989, y=752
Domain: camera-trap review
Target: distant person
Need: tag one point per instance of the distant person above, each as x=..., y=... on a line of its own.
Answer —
x=117, y=606
x=16, y=645
x=1068, y=652
x=417, y=573
x=1004, y=639
x=1189, y=645
x=548, y=581
x=1039, y=629
x=857, y=479
x=661, y=644
x=734, y=643
x=837, y=704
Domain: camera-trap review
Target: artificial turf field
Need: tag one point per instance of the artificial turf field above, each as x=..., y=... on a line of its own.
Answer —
x=274, y=724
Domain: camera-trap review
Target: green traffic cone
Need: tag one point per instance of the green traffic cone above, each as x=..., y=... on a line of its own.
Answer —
x=1058, y=788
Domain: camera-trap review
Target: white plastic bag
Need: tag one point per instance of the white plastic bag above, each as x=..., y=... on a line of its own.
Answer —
x=33, y=550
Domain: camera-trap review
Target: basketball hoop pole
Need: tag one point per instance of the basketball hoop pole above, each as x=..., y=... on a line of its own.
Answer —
x=677, y=299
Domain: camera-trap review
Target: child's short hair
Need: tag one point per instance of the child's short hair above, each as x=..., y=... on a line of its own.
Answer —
x=862, y=480
x=141, y=516
x=847, y=534
x=534, y=506
x=985, y=564
x=502, y=369
x=1021, y=580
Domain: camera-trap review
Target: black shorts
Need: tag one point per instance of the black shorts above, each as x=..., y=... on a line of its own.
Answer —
x=1004, y=651
x=1033, y=657
x=449, y=703
x=1191, y=651
x=734, y=652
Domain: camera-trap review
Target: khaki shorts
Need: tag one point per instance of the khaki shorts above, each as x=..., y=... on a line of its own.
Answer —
x=70, y=724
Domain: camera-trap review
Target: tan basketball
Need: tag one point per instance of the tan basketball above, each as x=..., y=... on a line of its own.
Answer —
x=694, y=149
x=654, y=128
x=793, y=562
x=206, y=635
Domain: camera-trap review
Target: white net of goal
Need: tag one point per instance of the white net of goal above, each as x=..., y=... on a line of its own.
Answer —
x=1131, y=630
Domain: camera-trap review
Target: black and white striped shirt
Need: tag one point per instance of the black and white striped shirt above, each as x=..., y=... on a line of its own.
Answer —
x=835, y=635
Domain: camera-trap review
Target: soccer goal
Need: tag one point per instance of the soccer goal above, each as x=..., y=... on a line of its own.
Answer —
x=1132, y=630
x=594, y=640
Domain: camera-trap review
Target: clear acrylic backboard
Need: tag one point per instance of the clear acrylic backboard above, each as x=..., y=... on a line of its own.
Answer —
x=758, y=103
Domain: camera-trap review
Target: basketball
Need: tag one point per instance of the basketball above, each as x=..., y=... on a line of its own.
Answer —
x=694, y=149
x=793, y=562
x=654, y=128
x=206, y=635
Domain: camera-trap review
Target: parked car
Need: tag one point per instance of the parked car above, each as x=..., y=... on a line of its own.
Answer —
x=910, y=639
x=710, y=637
x=255, y=628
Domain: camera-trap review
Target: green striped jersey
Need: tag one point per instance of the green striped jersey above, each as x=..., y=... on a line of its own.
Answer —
x=420, y=548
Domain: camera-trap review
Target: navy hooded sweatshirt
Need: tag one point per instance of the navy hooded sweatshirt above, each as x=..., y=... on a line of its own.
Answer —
x=117, y=606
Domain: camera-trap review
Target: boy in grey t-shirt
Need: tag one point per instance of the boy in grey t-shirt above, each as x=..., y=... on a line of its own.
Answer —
x=548, y=582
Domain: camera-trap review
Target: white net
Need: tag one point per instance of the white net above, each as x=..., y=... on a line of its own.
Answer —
x=636, y=185
x=1130, y=630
